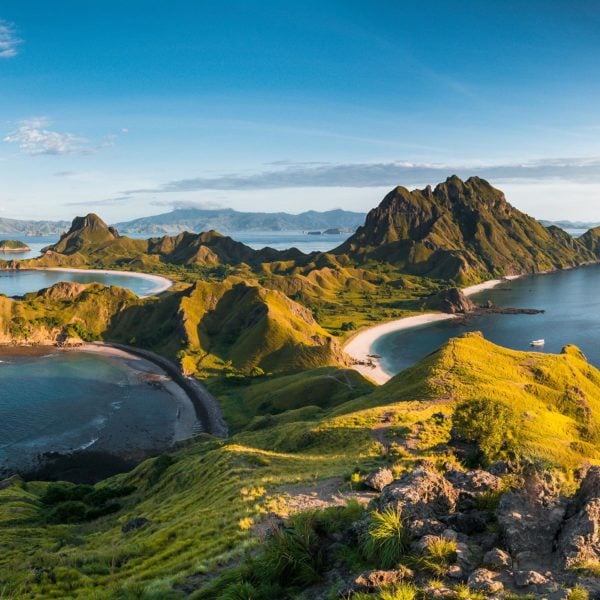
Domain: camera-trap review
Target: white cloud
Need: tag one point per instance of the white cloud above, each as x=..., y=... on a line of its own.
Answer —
x=34, y=138
x=9, y=42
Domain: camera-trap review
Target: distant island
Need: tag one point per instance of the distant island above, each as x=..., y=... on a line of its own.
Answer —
x=227, y=220
x=13, y=246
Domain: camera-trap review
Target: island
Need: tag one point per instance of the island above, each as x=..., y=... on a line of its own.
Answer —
x=13, y=246
x=475, y=470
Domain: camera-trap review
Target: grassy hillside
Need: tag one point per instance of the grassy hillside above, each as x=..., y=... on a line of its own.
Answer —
x=232, y=327
x=204, y=504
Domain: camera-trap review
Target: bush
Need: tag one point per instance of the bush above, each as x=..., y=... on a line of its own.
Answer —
x=491, y=424
x=439, y=555
x=387, y=539
x=71, y=511
x=401, y=591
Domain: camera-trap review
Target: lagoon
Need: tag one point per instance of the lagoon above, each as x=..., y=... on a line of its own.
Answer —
x=64, y=401
x=21, y=282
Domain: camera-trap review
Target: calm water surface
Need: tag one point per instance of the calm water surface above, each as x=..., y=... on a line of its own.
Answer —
x=571, y=300
x=64, y=401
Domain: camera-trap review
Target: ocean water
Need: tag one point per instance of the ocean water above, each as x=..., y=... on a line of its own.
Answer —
x=18, y=283
x=65, y=401
x=571, y=300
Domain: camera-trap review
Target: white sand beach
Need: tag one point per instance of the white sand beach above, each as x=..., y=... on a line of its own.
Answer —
x=360, y=346
x=162, y=283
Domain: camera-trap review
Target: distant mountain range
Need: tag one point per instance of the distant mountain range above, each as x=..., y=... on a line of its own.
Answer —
x=196, y=220
x=228, y=220
x=571, y=224
x=32, y=228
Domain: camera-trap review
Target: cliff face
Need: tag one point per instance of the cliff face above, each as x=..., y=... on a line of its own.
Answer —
x=461, y=230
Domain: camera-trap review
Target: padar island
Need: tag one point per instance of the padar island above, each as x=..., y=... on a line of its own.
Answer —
x=473, y=474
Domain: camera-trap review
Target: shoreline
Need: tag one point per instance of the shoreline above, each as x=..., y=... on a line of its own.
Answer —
x=162, y=283
x=360, y=346
x=198, y=412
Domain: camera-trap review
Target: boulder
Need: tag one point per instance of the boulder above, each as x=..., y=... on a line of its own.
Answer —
x=421, y=494
x=475, y=482
x=579, y=540
x=483, y=580
x=531, y=518
x=376, y=578
x=496, y=559
x=379, y=479
x=528, y=578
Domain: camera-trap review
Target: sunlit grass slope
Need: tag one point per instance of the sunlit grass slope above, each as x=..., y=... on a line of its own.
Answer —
x=204, y=501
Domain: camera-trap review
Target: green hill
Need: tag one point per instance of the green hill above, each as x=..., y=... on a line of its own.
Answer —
x=461, y=230
x=13, y=246
x=207, y=503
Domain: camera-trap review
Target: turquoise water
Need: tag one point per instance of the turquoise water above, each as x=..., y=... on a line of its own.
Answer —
x=18, y=283
x=571, y=300
x=65, y=401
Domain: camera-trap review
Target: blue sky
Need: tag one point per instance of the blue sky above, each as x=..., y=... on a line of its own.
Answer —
x=132, y=108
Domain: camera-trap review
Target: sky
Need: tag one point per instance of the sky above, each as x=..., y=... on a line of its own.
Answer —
x=135, y=108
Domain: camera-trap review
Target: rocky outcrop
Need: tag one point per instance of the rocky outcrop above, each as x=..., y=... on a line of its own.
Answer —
x=530, y=520
x=579, y=540
x=452, y=300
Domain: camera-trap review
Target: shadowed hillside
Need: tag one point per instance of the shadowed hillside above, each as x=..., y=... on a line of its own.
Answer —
x=465, y=231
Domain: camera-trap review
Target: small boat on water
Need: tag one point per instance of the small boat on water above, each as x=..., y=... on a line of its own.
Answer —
x=537, y=342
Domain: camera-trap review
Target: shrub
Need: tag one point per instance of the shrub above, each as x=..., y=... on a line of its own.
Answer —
x=491, y=424
x=401, y=591
x=293, y=555
x=387, y=539
x=579, y=593
x=71, y=511
x=439, y=555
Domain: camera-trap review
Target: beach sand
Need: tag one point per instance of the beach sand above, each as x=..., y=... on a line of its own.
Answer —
x=162, y=283
x=360, y=346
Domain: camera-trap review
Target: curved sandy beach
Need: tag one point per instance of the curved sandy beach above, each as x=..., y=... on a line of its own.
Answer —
x=162, y=283
x=360, y=346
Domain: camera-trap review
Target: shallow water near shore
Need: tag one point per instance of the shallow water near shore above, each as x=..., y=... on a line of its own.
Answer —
x=571, y=300
x=19, y=283
x=53, y=401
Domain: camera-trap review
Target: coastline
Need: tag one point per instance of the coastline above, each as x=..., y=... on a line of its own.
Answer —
x=198, y=412
x=162, y=283
x=360, y=346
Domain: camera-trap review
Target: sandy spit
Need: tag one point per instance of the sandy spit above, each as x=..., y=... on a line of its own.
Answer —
x=360, y=346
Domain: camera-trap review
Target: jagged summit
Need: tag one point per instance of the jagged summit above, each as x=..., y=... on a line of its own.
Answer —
x=85, y=231
x=462, y=230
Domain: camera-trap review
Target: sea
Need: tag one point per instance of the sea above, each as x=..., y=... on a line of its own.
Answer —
x=570, y=300
x=56, y=401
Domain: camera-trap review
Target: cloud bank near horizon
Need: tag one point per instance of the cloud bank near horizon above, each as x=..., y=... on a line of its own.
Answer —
x=367, y=175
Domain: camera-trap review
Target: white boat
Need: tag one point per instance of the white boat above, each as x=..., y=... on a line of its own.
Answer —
x=537, y=342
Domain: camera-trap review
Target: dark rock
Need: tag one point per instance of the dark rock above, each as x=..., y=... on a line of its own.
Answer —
x=375, y=579
x=496, y=559
x=469, y=523
x=421, y=494
x=477, y=481
x=422, y=527
x=499, y=468
x=579, y=540
x=527, y=578
x=530, y=518
x=379, y=479
x=134, y=524
x=483, y=580
x=451, y=300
